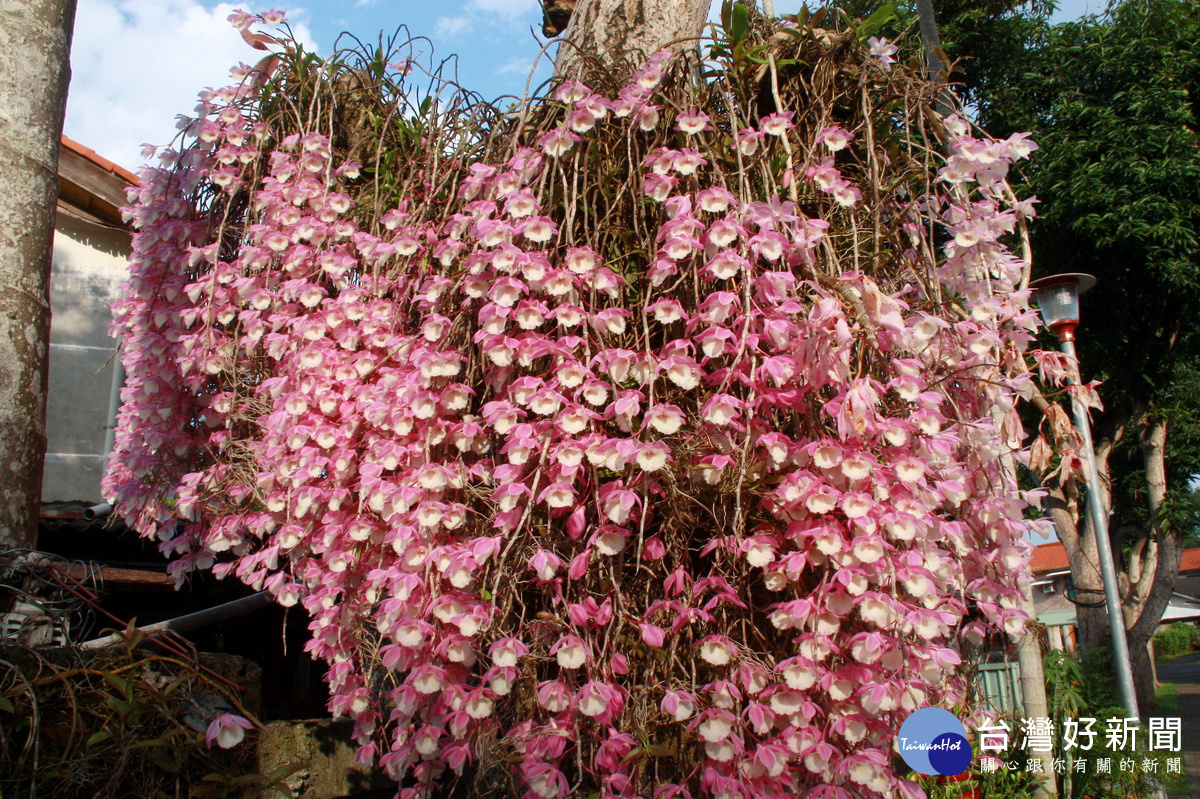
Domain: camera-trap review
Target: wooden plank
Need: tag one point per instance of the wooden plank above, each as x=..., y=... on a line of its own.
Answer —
x=90, y=187
x=112, y=575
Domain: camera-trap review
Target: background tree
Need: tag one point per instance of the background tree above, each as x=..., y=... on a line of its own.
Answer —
x=35, y=43
x=1111, y=101
x=983, y=39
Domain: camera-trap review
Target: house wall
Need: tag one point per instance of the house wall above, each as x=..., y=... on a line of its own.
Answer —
x=89, y=267
x=1048, y=602
x=1188, y=583
x=1051, y=609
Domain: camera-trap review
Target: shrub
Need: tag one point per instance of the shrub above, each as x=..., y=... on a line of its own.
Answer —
x=1178, y=639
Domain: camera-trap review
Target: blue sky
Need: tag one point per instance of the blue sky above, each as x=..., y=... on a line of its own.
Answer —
x=136, y=64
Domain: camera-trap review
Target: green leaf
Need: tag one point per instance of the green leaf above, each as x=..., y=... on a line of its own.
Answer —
x=167, y=764
x=122, y=686
x=882, y=16
x=153, y=743
x=283, y=772
x=6, y=705
x=98, y=737
x=648, y=750
x=739, y=27
x=174, y=685
x=121, y=708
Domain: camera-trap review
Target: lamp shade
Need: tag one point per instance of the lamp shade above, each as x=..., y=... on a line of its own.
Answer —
x=1057, y=297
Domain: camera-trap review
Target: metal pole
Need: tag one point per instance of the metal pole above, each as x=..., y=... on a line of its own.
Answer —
x=1108, y=571
x=191, y=621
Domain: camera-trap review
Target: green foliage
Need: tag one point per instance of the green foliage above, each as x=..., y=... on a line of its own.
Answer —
x=1166, y=696
x=1178, y=639
x=1081, y=688
x=1011, y=784
x=982, y=38
x=1064, y=685
x=1111, y=102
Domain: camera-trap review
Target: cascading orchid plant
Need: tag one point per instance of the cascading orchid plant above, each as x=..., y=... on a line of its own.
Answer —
x=572, y=475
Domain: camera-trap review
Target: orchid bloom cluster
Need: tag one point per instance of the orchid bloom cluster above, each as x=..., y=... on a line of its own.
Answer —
x=705, y=515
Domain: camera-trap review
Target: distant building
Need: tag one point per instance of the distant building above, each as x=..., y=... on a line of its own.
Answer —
x=1052, y=592
x=1051, y=577
x=1188, y=581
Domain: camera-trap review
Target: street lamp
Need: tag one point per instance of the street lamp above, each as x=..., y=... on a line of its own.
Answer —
x=1057, y=297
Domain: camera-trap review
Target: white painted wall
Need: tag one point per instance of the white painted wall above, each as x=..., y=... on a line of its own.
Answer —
x=89, y=268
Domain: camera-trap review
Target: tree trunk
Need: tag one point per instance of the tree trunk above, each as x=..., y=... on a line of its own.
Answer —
x=1033, y=690
x=1074, y=529
x=1147, y=579
x=619, y=35
x=1029, y=655
x=35, y=46
x=1155, y=562
x=934, y=64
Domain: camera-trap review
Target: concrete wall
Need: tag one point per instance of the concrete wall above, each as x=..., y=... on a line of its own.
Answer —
x=1044, y=602
x=1188, y=584
x=89, y=267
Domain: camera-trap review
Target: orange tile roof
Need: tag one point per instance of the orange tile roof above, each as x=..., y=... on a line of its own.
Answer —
x=99, y=160
x=1191, y=560
x=1053, y=557
x=1049, y=557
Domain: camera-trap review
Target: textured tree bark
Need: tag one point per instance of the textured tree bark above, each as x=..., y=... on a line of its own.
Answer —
x=1033, y=691
x=1074, y=526
x=35, y=46
x=619, y=35
x=932, y=41
x=1029, y=659
x=1147, y=579
x=1152, y=578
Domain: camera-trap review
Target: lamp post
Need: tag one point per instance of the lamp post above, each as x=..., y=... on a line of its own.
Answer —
x=1057, y=298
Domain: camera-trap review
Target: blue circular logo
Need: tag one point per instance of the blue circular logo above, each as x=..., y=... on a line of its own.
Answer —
x=934, y=741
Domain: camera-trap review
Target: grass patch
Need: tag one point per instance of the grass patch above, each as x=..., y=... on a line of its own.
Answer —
x=1166, y=696
x=1176, y=784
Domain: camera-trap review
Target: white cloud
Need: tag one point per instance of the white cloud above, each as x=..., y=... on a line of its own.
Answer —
x=452, y=27
x=507, y=8
x=510, y=13
x=136, y=64
x=515, y=66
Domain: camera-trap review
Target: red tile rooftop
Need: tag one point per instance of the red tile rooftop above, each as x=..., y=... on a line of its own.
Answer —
x=99, y=160
x=1191, y=560
x=1053, y=557
x=1049, y=558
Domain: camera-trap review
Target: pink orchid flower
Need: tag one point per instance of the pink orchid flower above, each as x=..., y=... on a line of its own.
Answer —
x=227, y=730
